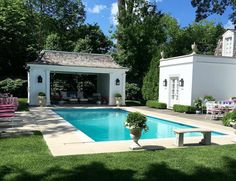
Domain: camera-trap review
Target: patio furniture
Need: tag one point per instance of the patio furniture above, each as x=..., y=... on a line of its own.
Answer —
x=73, y=100
x=214, y=109
x=180, y=135
x=83, y=100
x=7, y=112
x=9, y=101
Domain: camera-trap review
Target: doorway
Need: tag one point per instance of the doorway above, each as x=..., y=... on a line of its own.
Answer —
x=174, y=91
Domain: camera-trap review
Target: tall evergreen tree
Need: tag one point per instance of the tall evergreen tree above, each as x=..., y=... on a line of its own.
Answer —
x=150, y=89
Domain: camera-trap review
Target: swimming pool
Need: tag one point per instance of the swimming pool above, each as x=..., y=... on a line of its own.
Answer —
x=108, y=124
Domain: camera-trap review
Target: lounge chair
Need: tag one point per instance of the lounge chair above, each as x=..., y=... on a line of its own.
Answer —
x=7, y=113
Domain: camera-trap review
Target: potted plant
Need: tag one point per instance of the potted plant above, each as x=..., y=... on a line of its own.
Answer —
x=198, y=105
x=118, y=98
x=42, y=99
x=136, y=122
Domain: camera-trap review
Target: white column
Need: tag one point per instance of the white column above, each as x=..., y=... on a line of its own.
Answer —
x=28, y=78
x=123, y=88
x=110, y=90
x=47, y=87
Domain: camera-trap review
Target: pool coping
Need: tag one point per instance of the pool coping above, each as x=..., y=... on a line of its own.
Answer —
x=63, y=138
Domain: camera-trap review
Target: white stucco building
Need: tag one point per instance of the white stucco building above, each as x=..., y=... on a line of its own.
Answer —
x=184, y=78
x=111, y=77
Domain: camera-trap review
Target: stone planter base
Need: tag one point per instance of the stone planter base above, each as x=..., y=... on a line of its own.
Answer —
x=135, y=146
x=118, y=101
x=42, y=101
x=233, y=124
x=135, y=134
x=198, y=112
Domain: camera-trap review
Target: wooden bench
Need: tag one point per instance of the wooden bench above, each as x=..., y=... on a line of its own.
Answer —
x=180, y=135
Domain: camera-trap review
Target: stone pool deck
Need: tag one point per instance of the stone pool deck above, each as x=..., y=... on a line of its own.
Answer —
x=63, y=139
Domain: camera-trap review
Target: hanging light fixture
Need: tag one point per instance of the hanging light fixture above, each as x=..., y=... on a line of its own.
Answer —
x=165, y=83
x=117, y=81
x=181, y=82
x=40, y=79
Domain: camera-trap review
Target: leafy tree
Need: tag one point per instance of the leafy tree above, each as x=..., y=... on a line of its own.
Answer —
x=91, y=39
x=53, y=42
x=138, y=34
x=28, y=26
x=208, y=7
x=16, y=43
x=15, y=87
x=83, y=45
x=132, y=91
x=205, y=34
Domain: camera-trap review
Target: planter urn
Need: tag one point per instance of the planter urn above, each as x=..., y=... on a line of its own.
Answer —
x=198, y=111
x=118, y=101
x=135, y=134
x=42, y=101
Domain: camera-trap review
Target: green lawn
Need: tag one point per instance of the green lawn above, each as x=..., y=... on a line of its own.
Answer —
x=27, y=158
x=23, y=105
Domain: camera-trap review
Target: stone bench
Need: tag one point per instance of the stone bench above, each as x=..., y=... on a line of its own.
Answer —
x=180, y=135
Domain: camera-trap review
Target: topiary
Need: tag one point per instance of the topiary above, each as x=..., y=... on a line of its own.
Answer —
x=136, y=120
x=117, y=95
x=41, y=94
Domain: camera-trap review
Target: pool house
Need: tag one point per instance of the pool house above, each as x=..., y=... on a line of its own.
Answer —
x=75, y=77
x=185, y=78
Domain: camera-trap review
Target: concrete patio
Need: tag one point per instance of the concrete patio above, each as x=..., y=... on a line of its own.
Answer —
x=63, y=139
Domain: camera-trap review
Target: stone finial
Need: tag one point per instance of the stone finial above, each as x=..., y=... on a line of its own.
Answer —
x=162, y=54
x=194, y=48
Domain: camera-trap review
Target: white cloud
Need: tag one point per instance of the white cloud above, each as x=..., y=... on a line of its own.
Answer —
x=114, y=12
x=97, y=8
x=229, y=25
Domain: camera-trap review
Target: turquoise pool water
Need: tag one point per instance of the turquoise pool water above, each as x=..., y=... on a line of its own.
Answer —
x=108, y=124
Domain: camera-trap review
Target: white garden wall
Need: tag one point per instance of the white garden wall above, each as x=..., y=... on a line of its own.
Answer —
x=214, y=76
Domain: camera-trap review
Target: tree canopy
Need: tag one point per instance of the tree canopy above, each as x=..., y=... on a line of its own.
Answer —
x=143, y=32
x=208, y=7
x=28, y=26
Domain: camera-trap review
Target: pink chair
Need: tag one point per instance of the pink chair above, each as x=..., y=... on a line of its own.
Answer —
x=7, y=113
x=10, y=101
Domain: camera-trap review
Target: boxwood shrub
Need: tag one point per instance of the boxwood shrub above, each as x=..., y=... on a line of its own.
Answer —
x=156, y=104
x=184, y=109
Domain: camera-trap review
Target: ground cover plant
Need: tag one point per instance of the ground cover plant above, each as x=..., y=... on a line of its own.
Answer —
x=23, y=105
x=28, y=158
x=156, y=104
x=184, y=109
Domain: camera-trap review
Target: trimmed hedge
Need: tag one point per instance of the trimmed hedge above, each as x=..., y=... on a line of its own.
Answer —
x=156, y=104
x=184, y=109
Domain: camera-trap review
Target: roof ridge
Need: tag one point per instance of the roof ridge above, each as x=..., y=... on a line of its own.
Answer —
x=80, y=53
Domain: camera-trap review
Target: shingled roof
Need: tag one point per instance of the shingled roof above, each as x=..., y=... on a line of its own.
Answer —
x=51, y=57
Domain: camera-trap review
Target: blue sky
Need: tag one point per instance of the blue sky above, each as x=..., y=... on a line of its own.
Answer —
x=103, y=12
